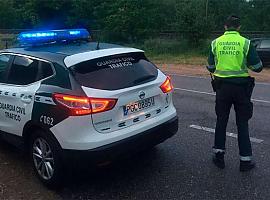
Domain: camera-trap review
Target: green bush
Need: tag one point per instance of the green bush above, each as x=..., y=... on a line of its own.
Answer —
x=165, y=46
x=172, y=47
x=204, y=47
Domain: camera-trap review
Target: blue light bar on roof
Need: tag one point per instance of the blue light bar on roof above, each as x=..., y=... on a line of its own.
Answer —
x=50, y=36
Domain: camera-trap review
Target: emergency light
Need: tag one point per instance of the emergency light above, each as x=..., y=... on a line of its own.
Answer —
x=51, y=36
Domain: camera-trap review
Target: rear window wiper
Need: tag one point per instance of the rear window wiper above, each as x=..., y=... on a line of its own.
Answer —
x=144, y=78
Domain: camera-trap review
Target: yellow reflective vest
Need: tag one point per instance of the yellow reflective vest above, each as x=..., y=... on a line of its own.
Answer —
x=230, y=52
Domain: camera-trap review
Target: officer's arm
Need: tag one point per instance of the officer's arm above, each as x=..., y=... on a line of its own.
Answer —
x=211, y=61
x=253, y=60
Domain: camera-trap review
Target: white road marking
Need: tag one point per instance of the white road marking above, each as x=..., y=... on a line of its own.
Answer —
x=211, y=130
x=208, y=78
x=196, y=91
x=190, y=76
x=213, y=94
x=263, y=83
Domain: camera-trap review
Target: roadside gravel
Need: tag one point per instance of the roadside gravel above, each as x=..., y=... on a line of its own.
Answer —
x=199, y=70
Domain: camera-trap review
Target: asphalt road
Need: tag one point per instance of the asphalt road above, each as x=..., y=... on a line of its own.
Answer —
x=180, y=168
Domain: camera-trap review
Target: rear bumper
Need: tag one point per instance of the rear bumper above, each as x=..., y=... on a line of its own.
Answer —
x=126, y=146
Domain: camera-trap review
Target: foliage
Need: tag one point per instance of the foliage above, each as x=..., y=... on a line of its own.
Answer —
x=159, y=46
x=8, y=14
x=136, y=20
x=192, y=20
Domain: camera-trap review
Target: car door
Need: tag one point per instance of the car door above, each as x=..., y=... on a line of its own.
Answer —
x=264, y=51
x=5, y=61
x=18, y=93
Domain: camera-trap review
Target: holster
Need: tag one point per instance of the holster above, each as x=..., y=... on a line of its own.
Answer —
x=215, y=83
x=250, y=86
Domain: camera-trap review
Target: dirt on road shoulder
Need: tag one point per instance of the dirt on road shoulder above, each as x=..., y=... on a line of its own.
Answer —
x=199, y=70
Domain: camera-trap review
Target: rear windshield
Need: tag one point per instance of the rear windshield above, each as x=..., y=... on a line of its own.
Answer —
x=115, y=72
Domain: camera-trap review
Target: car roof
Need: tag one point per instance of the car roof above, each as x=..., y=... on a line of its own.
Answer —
x=58, y=52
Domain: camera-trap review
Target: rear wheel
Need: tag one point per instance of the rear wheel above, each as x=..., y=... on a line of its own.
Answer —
x=46, y=160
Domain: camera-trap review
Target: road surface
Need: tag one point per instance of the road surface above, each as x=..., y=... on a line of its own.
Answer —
x=180, y=168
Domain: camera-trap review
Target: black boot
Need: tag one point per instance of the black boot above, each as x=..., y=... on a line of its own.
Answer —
x=246, y=165
x=218, y=160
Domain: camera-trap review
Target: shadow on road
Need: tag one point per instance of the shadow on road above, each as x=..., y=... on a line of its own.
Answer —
x=124, y=168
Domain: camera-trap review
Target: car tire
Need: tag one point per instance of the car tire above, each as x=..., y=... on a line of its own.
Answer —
x=46, y=159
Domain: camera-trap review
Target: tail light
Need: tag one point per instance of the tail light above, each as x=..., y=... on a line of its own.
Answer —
x=167, y=86
x=84, y=105
x=102, y=105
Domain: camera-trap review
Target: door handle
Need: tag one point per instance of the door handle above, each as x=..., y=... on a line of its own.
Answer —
x=26, y=99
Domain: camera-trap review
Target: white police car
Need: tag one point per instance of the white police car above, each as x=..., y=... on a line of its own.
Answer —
x=63, y=98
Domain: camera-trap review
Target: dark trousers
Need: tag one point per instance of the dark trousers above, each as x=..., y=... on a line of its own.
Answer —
x=239, y=96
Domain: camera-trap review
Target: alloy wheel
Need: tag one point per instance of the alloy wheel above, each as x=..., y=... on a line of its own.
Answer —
x=43, y=158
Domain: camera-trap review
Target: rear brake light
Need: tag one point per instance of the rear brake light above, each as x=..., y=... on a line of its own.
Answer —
x=167, y=85
x=102, y=105
x=84, y=105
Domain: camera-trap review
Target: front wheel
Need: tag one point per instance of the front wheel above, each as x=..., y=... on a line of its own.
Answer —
x=45, y=155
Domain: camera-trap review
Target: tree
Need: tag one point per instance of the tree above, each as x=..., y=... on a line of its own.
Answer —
x=8, y=15
x=131, y=20
x=256, y=16
x=136, y=20
x=191, y=20
x=44, y=14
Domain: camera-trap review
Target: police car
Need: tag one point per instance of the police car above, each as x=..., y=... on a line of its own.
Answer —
x=63, y=98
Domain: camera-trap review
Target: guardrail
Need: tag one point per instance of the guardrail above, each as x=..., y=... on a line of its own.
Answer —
x=165, y=32
x=7, y=36
x=14, y=31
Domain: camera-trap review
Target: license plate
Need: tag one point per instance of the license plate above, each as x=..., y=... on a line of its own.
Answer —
x=138, y=106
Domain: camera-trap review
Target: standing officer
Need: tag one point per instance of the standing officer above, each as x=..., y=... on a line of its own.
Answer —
x=230, y=57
